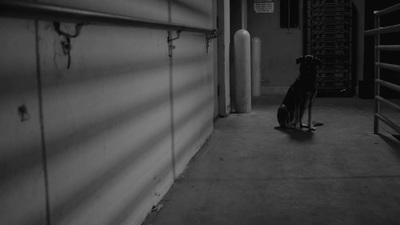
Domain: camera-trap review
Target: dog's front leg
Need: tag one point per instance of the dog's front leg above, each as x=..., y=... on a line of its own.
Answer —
x=310, y=124
x=297, y=117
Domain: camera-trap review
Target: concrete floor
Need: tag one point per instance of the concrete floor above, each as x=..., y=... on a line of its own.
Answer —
x=252, y=172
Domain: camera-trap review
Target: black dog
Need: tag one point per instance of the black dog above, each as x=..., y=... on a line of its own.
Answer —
x=300, y=95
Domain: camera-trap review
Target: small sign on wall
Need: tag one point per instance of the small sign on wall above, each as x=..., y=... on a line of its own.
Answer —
x=264, y=6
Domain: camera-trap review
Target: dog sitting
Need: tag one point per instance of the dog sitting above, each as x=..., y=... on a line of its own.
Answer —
x=300, y=96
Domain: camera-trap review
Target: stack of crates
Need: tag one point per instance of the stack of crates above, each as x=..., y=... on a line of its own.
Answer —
x=329, y=37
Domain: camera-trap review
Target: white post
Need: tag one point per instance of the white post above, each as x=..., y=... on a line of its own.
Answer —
x=242, y=71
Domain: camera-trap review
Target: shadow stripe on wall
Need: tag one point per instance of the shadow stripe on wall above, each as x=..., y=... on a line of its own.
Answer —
x=191, y=8
x=131, y=204
x=94, y=186
x=23, y=162
x=89, y=192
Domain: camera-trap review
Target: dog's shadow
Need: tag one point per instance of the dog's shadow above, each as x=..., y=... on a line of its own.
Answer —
x=297, y=135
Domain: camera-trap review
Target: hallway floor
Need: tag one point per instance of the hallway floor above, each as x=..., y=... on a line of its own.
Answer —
x=251, y=172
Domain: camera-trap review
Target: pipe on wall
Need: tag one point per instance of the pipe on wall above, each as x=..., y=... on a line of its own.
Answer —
x=52, y=12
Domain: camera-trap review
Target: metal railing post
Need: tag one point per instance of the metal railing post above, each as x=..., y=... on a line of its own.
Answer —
x=377, y=32
x=377, y=75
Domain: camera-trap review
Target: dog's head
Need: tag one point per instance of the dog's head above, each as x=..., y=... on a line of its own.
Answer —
x=308, y=66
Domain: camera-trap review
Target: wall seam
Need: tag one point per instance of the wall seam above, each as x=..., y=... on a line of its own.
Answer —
x=171, y=96
x=41, y=121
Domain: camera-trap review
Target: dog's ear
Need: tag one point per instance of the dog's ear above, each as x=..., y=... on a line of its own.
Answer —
x=299, y=60
x=318, y=61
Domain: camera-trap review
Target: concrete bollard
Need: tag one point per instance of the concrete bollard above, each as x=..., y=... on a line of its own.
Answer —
x=255, y=67
x=242, y=71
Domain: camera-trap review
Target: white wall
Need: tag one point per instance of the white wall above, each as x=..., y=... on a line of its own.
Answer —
x=118, y=126
x=22, y=188
x=280, y=47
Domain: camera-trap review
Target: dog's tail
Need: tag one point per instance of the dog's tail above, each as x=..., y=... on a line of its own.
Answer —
x=282, y=116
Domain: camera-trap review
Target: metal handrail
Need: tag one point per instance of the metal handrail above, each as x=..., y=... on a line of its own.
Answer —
x=388, y=66
x=383, y=30
x=51, y=12
x=392, y=104
x=388, y=10
x=388, y=84
x=377, y=32
x=388, y=47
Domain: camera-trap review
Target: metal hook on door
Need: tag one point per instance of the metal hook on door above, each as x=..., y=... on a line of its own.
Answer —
x=170, y=40
x=23, y=113
x=66, y=43
x=209, y=37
